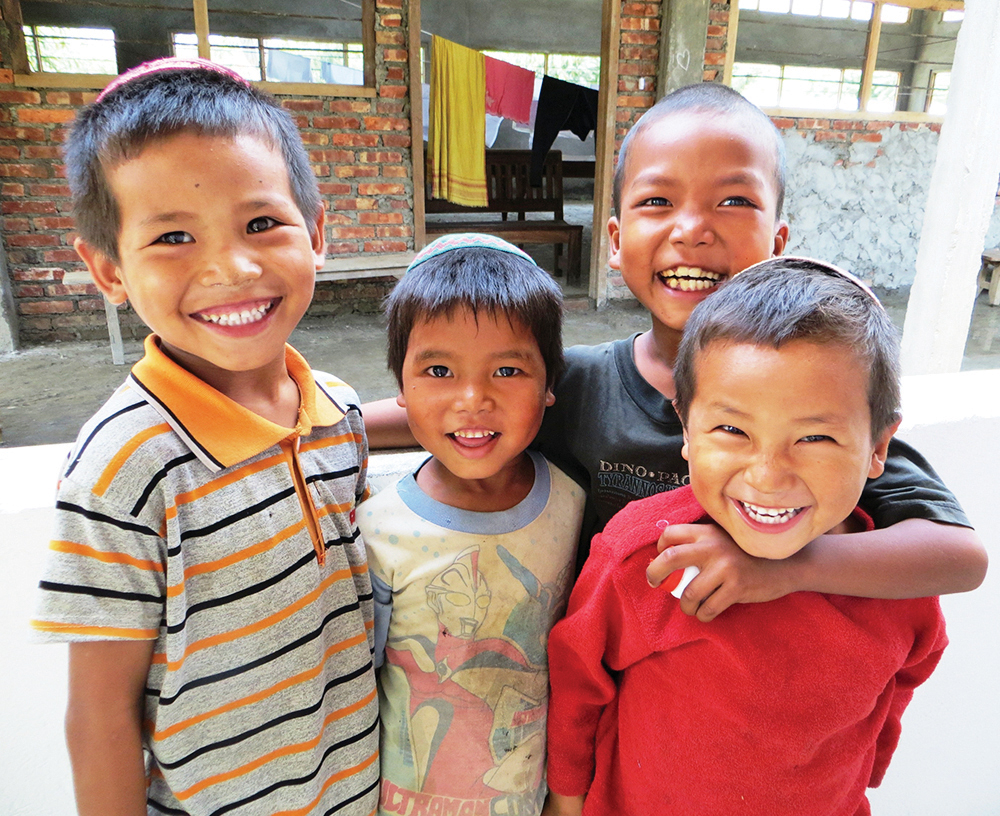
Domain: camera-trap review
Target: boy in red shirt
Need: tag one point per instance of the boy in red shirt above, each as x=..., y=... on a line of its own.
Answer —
x=788, y=388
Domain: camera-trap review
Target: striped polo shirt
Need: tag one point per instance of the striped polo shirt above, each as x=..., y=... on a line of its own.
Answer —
x=186, y=519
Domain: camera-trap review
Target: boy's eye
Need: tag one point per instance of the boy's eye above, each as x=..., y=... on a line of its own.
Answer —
x=737, y=201
x=174, y=238
x=655, y=201
x=261, y=224
x=507, y=371
x=439, y=371
x=817, y=438
x=730, y=429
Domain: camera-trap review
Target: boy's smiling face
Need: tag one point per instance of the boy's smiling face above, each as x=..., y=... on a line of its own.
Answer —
x=779, y=441
x=698, y=205
x=215, y=256
x=474, y=390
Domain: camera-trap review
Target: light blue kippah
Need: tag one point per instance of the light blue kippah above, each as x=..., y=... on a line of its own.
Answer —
x=467, y=240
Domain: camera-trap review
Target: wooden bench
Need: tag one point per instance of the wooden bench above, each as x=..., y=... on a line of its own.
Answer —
x=509, y=190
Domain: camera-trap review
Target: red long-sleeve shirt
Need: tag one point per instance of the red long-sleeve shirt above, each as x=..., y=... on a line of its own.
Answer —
x=786, y=707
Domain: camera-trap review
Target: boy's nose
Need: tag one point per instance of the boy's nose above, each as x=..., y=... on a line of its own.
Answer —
x=473, y=395
x=691, y=227
x=769, y=473
x=231, y=268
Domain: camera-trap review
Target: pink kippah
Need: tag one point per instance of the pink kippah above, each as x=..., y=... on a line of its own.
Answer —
x=167, y=64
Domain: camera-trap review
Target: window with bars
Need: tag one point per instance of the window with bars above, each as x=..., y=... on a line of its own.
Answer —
x=850, y=55
x=291, y=42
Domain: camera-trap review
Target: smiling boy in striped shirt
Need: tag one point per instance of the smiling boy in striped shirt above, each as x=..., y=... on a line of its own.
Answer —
x=206, y=566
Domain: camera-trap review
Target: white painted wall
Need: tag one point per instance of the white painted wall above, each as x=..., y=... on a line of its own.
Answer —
x=947, y=760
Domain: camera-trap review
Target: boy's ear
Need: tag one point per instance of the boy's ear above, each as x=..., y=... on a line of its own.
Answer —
x=780, y=238
x=877, y=466
x=684, y=447
x=319, y=236
x=400, y=399
x=106, y=273
x=614, y=242
x=550, y=398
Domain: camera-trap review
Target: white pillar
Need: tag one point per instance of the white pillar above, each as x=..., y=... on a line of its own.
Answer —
x=960, y=201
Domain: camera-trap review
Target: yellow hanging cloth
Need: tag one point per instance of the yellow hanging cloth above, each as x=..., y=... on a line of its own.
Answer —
x=456, y=138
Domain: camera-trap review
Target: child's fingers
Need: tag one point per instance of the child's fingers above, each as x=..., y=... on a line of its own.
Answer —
x=676, y=534
x=670, y=561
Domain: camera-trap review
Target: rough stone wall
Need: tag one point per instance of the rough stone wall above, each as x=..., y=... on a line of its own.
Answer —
x=360, y=151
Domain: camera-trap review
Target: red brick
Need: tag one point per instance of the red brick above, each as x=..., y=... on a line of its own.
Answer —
x=302, y=104
x=36, y=324
x=21, y=97
x=783, y=124
x=30, y=290
x=715, y=59
x=355, y=139
x=829, y=136
x=390, y=38
x=321, y=170
x=381, y=189
x=395, y=172
x=380, y=218
x=341, y=248
x=355, y=204
x=717, y=31
x=16, y=225
x=866, y=137
x=350, y=106
x=847, y=124
x=386, y=246
x=333, y=156
x=379, y=157
x=397, y=74
x=46, y=307
x=719, y=16
x=33, y=240
x=640, y=38
x=23, y=134
x=395, y=54
x=391, y=20
x=394, y=4
x=338, y=219
x=45, y=116
x=381, y=123
x=813, y=124
x=10, y=152
x=640, y=24
x=6, y=76
x=715, y=45
x=24, y=170
x=337, y=122
x=874, y=124
x=90, y=305
x=335, y=189
x=396, y=140
x=393, y=232
x=41, y=152
x=355, y=233
x=54, y=223
x=60, y=289
x=356, y=172
x=57, y=98
x=60, y=256
x=634, y=101
x=314, y=138
x=393, y=91
x=39, y=273
x=49, y=190
x=639, y=10
x=59, y=135
x=404, y=204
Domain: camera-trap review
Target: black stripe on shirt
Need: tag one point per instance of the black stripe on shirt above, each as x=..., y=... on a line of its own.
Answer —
x=287, y=717
x=95, y=516
x=260, y=661
x=100, y=592
x=187, y=435
x=242, y=514
x=157, y=478
x=97, y=428
x=333, y=474
x=302, y=779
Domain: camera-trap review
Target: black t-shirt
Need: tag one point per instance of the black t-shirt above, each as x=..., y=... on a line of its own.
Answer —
x=620, y=439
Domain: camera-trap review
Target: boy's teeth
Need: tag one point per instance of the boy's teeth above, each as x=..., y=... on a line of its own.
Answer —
x=473, y=434
x=770, y=515
x=238, y=318
x=691, y=278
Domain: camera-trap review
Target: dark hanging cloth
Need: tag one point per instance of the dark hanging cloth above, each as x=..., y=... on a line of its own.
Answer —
x=561, y=106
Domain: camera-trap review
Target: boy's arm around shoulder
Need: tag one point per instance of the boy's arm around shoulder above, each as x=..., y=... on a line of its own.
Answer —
x=104, y=725
x=386, y=426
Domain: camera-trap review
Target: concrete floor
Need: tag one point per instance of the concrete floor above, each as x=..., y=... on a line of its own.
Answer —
x=47, y=393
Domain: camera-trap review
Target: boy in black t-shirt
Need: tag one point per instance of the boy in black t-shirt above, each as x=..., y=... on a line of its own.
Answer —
x=698, y=192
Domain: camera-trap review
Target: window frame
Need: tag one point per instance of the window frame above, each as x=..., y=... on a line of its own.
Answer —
x=868, y=66
x=25, y=77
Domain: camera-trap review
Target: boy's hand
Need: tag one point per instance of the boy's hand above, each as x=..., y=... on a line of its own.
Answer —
x=558, y=805
x=728, y=575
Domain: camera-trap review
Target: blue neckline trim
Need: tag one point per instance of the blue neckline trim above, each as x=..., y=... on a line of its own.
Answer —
x=471, y=521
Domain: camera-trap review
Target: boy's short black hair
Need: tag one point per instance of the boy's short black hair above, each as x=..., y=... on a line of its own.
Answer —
x=485, y=281
x=708, y=97
x=786, y=299
x=164, y=103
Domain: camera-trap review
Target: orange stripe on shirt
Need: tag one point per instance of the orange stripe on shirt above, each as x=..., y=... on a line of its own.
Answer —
x=337, y=777
x=101, y=631
x=74, y=548
x=294, y=680
x=229, y=478
x=260, y=625
x=319, y=444
x=126, y=451
x=287, y=750
x=235, y=558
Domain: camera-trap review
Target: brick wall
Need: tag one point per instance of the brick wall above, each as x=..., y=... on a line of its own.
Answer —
x=359, y=147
